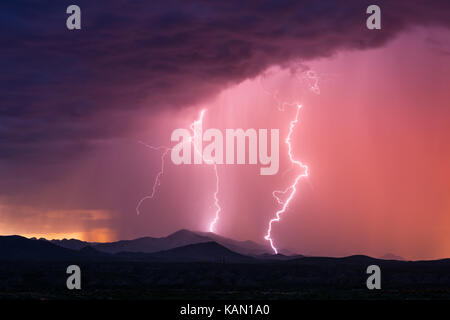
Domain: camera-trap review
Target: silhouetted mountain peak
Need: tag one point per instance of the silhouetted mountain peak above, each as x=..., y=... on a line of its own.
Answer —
x=179, y=238
x=391, y=256
x=89, y=250
x=13, y=237
x=246, y=247
x=206, y=252
x=73, y=244
x=21, y=248
x=186, y=235
x=181, y=232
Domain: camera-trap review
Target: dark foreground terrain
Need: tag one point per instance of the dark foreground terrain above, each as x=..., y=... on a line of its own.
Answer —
x=311, y=278
x=36, y=269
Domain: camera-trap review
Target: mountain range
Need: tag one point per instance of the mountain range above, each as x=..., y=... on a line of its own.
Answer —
x=181, y=246
x=191, y=264
x=178, y=239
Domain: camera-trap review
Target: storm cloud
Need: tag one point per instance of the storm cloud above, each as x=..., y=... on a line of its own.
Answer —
x=62, y=89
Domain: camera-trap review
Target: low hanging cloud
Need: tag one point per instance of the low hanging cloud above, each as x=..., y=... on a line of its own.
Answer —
x=61, y=89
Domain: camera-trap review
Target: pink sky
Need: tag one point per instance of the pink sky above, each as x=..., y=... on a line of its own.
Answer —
x=375, y=139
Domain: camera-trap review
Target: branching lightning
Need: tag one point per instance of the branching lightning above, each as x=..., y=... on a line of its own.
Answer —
x=209, y=162
x=216, y=202
x=283, y=197
x=292, y=189
x=158, y=176
x=192, y=140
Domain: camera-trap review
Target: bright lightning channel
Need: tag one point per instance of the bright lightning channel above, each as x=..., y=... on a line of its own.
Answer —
x=292, y=189
x=196, y=124
x=158, y=176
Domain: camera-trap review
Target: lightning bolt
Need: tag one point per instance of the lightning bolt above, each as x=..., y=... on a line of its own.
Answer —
x=158, y=176
x=209, y=162
x=192, y=139
x=292, y=189
x=216, y=202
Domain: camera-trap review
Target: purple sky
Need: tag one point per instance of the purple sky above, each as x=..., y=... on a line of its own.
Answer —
x=73, y=106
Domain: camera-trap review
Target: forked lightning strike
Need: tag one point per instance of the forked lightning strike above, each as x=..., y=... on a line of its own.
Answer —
x=199, y=123
x=292, y=189
x=196, y=124
x=158, y=176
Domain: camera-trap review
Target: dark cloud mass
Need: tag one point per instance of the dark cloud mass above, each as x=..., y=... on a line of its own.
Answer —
x=67, y=88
